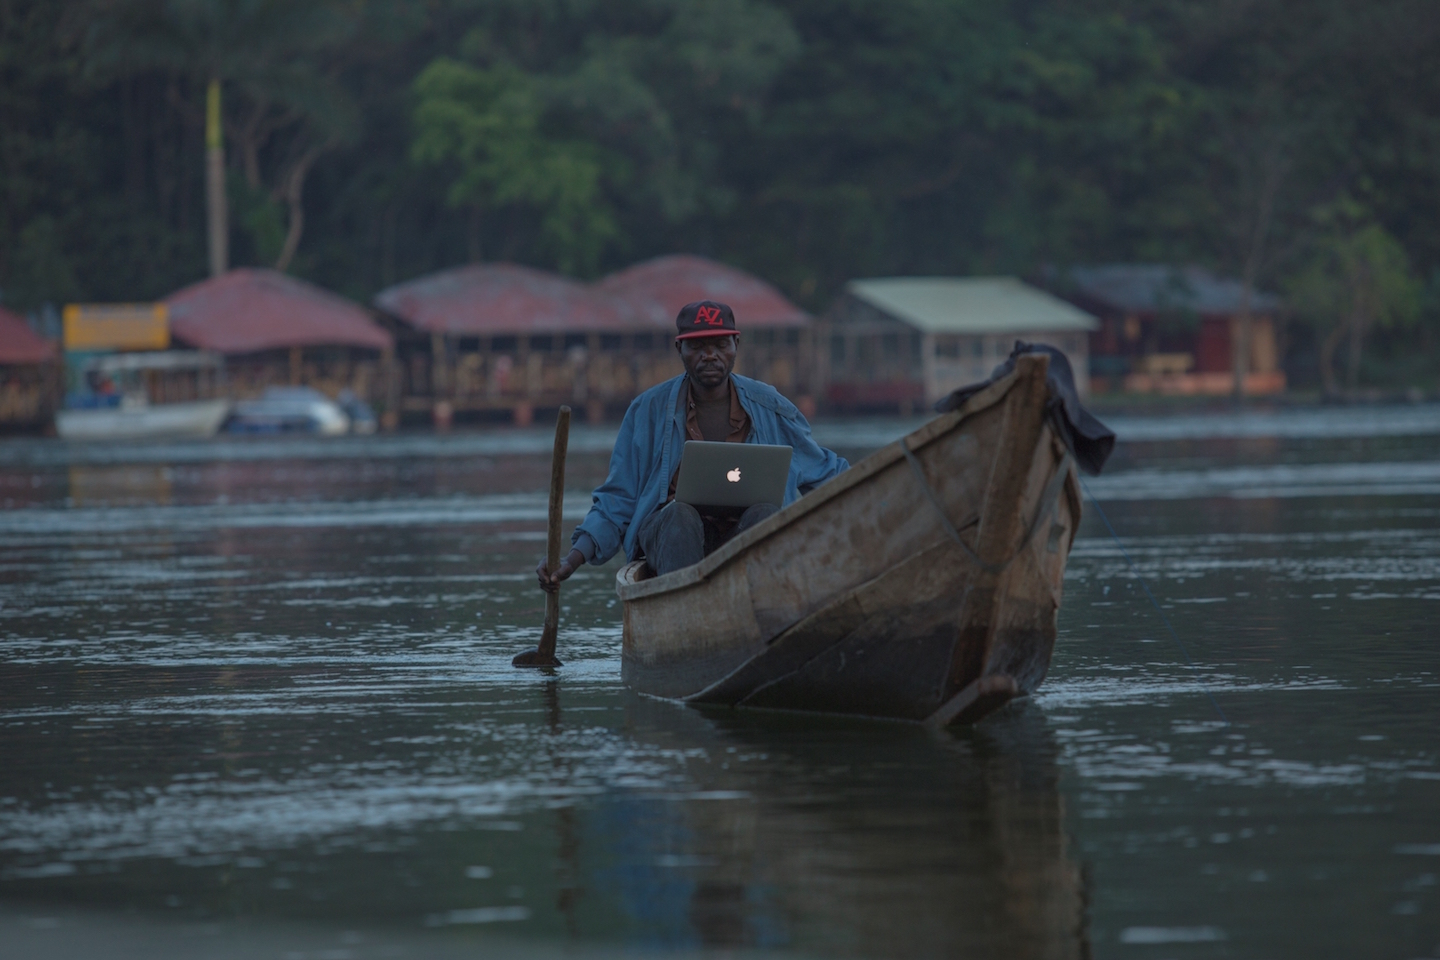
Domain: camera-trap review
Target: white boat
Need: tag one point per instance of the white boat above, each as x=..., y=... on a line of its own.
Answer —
x=168, y=394
x=290, y=410
x=197, y=418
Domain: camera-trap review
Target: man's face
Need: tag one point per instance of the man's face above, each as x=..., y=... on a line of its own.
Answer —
x=708, y=360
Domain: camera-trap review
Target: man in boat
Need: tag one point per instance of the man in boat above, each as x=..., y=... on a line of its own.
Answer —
x=635, y=508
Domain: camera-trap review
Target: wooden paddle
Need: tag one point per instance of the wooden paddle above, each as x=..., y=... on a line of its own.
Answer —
x=544, y=655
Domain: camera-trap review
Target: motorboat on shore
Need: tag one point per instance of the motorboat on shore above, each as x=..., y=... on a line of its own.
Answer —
x=922, y=584
x=165, y=394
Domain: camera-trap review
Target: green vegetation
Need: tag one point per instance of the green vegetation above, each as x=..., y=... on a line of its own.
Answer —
x=1291, y=143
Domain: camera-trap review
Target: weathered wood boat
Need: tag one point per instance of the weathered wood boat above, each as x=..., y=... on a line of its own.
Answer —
x=922, y=584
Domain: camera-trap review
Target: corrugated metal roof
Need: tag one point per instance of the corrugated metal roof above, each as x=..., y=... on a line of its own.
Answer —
x=247, y=310
x=19, y=344
x=484, y=299
x=1152, y=288
x=653, y=291
x=970, y=305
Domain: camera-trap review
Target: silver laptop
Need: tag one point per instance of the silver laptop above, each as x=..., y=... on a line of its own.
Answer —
x=732, y=474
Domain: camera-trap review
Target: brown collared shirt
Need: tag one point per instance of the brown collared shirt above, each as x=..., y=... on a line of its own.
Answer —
x=739, y=419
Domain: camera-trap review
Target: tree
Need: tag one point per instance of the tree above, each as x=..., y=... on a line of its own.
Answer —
x=594, y=119
x=272, y=52
x=489, y=123
x=1358, y=278
x=811, y=141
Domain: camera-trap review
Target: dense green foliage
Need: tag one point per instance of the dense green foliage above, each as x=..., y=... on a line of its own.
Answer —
x=1289, y=142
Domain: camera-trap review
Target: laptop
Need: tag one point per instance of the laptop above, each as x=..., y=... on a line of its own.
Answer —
x=732, y=474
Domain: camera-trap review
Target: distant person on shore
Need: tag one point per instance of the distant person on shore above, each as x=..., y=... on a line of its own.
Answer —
x=635, y=508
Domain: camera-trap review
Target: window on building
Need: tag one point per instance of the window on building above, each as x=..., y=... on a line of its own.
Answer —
x=889, y=345
x=576, y=340
x=542, y=343
x=503, y=344
x=610, y=341
x=947, y=347
x=792, y=338
x=644, y=341
x=837, y=349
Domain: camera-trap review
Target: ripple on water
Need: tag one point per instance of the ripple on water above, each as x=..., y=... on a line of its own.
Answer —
x=304, y=707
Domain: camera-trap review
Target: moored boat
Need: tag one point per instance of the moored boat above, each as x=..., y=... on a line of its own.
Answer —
x=922, y=584
x=290, y=410
x=166, y=394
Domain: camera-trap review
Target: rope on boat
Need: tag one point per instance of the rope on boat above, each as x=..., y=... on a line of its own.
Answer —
x=1135, y=571
x=1048, y=498
x=944, y=517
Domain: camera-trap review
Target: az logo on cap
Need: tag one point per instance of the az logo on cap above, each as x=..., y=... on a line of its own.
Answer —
x=710, y=315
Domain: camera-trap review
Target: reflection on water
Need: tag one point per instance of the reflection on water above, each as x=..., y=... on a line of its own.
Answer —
x=277, y=688
x=852, y=839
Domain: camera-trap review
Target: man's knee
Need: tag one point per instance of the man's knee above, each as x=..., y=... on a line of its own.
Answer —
x=673, y=537
x=679, y=516
x=756, y=513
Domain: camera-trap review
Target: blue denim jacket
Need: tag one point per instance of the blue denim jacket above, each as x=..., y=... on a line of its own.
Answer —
x=647, y=453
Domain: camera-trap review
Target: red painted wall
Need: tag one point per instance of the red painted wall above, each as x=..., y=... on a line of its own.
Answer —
x=1212, y=346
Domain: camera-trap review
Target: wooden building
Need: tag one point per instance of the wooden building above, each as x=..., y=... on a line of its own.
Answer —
x=904, y=342
x=275, y=330
x=503, y=340
x=1174, y=330
x=30, y=377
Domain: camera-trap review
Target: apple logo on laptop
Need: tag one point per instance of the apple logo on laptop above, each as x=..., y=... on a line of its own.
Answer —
x=733, y=476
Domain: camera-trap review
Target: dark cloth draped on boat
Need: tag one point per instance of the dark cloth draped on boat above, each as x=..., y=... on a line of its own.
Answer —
x=1087, y=438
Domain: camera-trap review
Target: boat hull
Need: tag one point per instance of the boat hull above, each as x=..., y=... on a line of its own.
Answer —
x=197, y=418
x=857, y=599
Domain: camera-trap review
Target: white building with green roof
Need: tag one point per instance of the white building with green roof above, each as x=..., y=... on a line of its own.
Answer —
x=908, y=341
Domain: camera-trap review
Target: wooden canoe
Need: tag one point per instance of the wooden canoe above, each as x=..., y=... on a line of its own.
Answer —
x=922, y=584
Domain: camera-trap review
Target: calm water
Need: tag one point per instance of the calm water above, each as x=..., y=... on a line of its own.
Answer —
x=262, y=692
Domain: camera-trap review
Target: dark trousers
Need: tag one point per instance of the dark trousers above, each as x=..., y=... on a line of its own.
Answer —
x=677, y=536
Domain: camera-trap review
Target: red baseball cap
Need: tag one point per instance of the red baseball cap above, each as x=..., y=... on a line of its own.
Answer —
x=705, y=318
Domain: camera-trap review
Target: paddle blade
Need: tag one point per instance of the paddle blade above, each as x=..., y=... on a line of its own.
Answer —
x=535, y=658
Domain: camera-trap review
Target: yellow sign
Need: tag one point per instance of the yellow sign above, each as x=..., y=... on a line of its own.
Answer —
x=117, y=326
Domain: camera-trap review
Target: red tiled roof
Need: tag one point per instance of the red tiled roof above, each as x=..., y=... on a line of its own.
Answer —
x=19, y=344
x=499, y=298
x=655, y=290
x=246, y=311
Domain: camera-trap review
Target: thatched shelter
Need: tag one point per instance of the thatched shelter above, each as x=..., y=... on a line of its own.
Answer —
x=29, y=376
x=275, y=329
x=508, y=339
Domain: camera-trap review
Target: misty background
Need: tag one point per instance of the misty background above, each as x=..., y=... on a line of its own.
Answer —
x=1292, y=145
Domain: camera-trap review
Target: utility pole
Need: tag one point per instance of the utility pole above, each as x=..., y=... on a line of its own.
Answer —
x=217, y=214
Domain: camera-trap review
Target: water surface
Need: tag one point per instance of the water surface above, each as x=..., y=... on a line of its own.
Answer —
x=268, y=685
